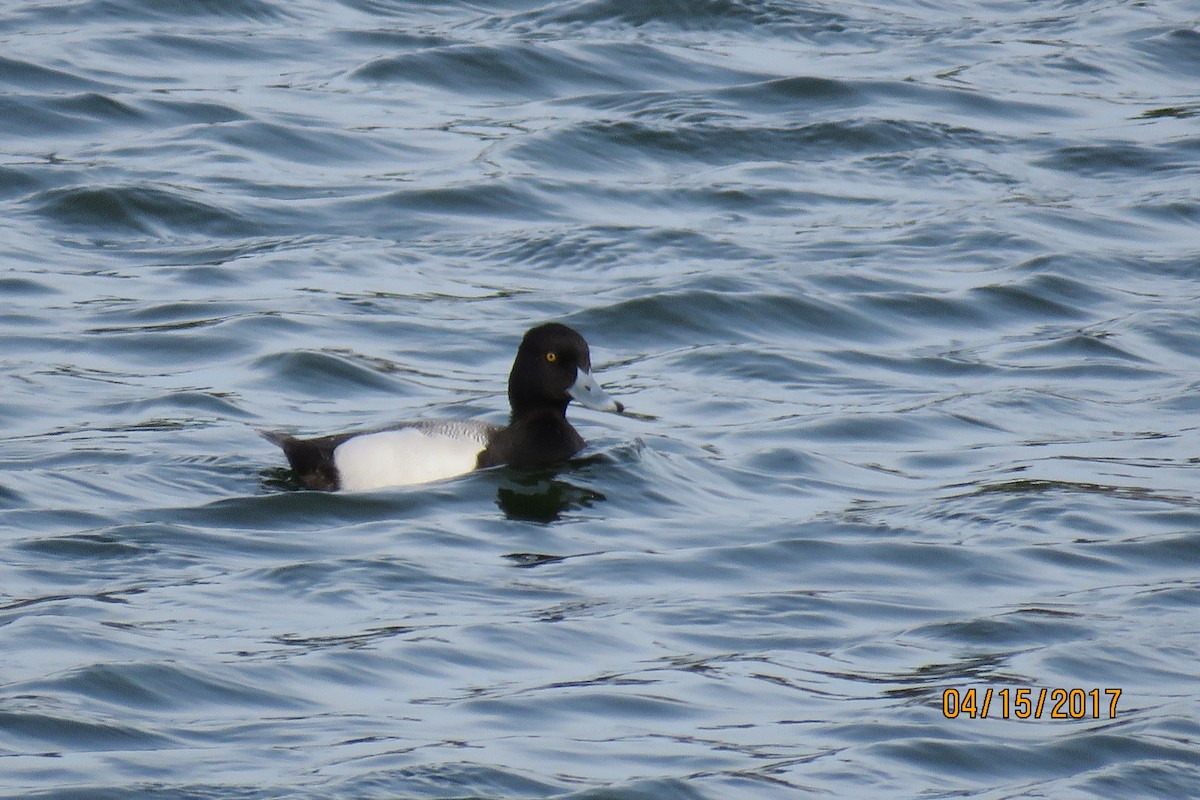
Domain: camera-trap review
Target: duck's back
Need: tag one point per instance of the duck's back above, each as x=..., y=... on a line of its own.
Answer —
x=416, y=452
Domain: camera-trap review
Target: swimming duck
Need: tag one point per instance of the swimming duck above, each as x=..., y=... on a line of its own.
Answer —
x=553, y=367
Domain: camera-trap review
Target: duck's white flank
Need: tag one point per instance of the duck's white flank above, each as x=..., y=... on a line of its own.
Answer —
x=423, y=452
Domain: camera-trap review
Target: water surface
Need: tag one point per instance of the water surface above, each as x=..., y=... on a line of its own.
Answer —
x=903, y=299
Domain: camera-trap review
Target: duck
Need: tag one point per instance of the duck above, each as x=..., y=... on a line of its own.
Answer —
x=552, y=368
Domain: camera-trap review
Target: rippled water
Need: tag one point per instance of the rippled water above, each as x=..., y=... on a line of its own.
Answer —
x=903, y=297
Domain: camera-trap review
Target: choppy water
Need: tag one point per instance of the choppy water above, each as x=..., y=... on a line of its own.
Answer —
x=904, y=295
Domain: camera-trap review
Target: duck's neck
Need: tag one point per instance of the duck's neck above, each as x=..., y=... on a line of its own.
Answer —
x=525, y=408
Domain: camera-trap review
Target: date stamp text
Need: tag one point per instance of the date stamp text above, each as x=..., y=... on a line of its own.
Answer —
x=1009, y=703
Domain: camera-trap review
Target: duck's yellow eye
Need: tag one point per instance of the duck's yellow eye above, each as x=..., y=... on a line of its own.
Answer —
x=552, y=357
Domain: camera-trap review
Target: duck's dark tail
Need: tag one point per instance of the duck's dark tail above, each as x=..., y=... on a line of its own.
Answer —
x=310, y=459
x=275, y=437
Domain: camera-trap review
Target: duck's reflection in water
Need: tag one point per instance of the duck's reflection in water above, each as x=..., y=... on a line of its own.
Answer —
x=541, y=496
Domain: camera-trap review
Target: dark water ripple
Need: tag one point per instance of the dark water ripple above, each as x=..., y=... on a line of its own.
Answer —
x=902, y=299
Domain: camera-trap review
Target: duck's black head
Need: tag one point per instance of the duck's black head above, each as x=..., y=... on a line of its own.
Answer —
x=552, y=368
